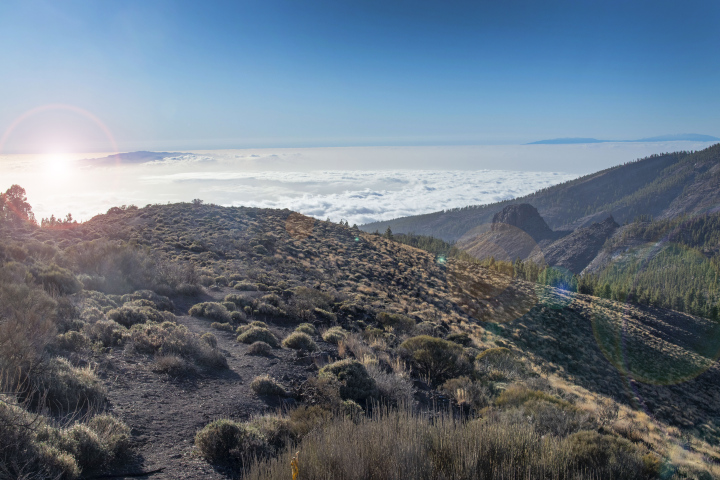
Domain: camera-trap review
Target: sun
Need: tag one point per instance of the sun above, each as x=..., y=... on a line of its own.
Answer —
x=57, y=165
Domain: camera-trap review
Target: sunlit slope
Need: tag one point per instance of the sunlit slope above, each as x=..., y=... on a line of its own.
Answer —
x=659, y=186
x=656, y=360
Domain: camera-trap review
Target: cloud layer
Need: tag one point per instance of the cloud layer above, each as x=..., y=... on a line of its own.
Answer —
x=359, y=185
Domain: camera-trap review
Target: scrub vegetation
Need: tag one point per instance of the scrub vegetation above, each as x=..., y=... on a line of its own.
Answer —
x=217, y=342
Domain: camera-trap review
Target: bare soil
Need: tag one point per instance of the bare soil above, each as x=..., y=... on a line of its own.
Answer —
x=164, y=413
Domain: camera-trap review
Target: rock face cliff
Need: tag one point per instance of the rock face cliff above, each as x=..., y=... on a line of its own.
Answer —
x=575, y=251
x=517, y=231
x=526, y=218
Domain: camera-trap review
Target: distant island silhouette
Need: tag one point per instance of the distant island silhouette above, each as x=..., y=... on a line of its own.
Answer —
x=691, y=137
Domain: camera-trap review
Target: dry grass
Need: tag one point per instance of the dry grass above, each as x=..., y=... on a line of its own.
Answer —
x=401, y=445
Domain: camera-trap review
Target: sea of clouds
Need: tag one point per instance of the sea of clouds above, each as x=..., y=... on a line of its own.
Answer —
x=359, y=196
x=359, y=185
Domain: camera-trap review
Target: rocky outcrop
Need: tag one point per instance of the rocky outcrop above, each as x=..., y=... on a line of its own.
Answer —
x=517, y=231
x=525, y=217
x=575, y=251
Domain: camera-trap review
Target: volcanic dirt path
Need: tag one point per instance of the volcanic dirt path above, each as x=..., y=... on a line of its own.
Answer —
x=165, y=413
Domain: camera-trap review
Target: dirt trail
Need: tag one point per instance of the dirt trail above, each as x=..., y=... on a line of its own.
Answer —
x=164, y=413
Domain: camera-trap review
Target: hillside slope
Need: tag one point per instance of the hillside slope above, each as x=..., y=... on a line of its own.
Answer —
x=510, y=354
x=658, y=186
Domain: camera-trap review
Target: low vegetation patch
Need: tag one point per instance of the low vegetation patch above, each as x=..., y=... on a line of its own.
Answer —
x=266, y=385
x=258, y=334
x=300, y=341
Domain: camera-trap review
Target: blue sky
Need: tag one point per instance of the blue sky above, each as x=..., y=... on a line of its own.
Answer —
x=190, y=75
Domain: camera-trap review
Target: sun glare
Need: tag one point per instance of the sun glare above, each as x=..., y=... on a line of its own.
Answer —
x=57, y=165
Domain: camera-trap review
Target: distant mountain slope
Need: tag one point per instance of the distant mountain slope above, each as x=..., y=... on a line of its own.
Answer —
x=661, y=186
x=689, y=137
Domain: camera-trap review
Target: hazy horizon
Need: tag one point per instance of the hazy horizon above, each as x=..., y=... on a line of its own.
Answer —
x=360, y=185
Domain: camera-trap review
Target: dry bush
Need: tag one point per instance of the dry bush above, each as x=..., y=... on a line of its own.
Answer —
x=226, y=327
x=259, y=348
x=258, y=334
x=129, y=316
x=211, y=310
x=307, y=328
x=63, y=388
x=26, y=325
x=226, y=441
x=72, y=341
x=159, y=302
x=334, y=335
x=32, y=447
x=58, y=280
x=266, y=385
x=300, y=341
x=397, y=321
x=355, y=382
x=108, y=332
x=277, y=430
x=240, y=301
x=124, y=267
x=499, y=363
x=170, y=338
x=393, y=387
x=400, y=445
x=436, y=358
x=210, y=339
x=466, y=392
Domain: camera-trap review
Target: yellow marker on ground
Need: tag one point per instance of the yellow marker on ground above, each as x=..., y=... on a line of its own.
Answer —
x=295, y=465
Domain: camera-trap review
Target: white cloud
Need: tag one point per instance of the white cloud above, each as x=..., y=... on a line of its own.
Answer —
x=359, y=185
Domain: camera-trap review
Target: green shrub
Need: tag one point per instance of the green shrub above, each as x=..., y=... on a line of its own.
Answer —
x=160, y=302
x=108, y=332
x=114, y=435
x=225, y=441
x=605, y=455
x=210, y=339
x=355, y=382
x=239, y=300
x=459, y=338
x=425, y=328
x=516, y=395
x=307, y=328
x=245, y=286
x=226, y=327
x=72, y=341
x=300, y=341
x=397, y=321
x=63, y=388
x=325, y=315
x=238, y=316
x=84, y=444
x=230, y=306
x=275, y=428
x=499, y=363
x=266, y=385
x=211, y=310
x=334, y=335
x=466, y=392
x=259, y=348
x=221, y=281
x=56, y=279
x=437, y=358
x=129, y=316
x=170, y=338
x=258, y=334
